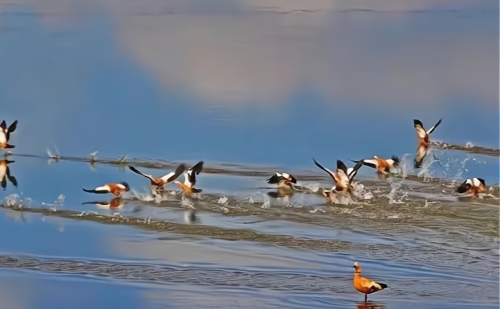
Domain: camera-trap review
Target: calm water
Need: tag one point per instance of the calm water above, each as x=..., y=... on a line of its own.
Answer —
x=251, y=88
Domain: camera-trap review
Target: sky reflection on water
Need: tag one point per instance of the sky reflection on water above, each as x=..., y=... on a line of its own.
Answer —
x=170, y=86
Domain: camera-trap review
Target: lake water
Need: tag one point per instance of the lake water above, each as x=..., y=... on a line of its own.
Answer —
x=251, y=88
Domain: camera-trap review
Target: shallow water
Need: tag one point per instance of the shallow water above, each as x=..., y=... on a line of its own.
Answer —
x=250, y=88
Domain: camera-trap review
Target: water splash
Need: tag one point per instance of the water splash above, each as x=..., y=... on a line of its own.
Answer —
x=267, y=202
x=185, y=202
x=312, y=186
x=393, y=196
x=223, y=200
x=14, y=200
x=406, y=165
x=361, y=191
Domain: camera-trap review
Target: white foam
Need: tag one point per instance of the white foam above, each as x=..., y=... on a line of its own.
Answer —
x=469, y=145
x=223, y=200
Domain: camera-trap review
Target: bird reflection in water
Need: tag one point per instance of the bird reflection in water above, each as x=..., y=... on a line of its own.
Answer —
x=281, y=194
x=190, y=216
x=5, y=174
x=14, y=215
x=369, y=305
x=57, y=222
x=115, y=203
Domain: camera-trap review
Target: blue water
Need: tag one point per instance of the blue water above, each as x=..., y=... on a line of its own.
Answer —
x=240, y=83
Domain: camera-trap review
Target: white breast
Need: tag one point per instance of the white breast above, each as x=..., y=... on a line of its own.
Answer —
x=3, y=170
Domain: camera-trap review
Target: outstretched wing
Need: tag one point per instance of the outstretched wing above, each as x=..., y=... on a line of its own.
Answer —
x=434, y=127
x=332, y=174
x=351, y=172
x=197, y=167
x=368, y=162
x=341, y=166
x=175, y=174
x=150, y=177
x=190, y=175
x=99, y=190
x=342, y=173
x=419, y=127
x=11, y=129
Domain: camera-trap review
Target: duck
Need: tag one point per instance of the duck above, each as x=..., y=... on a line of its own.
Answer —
x=472, y=185
x=5, y=134
x=423, y=140
x=365, y=285
x=383, y=166
x=285, y=183
x=5, y=174
x=114, y=188
x=190, y=179
x=283, y=180
x=342, y=178
x=157, y=184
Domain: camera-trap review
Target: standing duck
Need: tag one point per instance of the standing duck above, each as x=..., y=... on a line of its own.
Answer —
x=365, y=285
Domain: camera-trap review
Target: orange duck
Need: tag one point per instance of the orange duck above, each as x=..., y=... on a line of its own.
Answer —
x=365, y=285
x=190, y=179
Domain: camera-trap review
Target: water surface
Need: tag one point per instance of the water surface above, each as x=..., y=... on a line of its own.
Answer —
x=250, y=88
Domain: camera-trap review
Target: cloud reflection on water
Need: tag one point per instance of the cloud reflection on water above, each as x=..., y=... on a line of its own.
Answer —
x=115, y=73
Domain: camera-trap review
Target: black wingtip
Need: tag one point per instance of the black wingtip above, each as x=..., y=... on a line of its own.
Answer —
x=382, y=285
x=133, y=169
x=13, y=126
x=358, y=165
x=3, y=125
x=198, y=167
x=13, y=180
x=341, y=166
x=482, y=181
x=318, y=165
x=87, y=190
x=180, y=169
x=417, y=122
